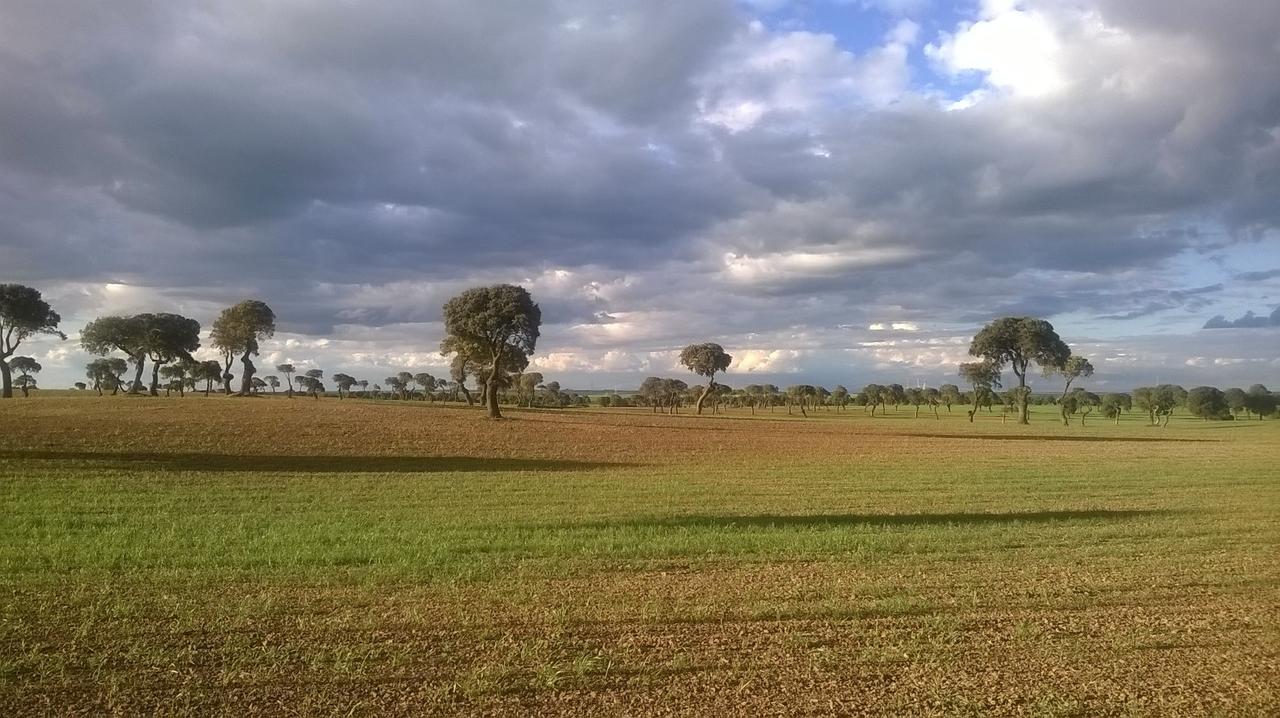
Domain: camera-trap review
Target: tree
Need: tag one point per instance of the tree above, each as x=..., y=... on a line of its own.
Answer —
x=273, y=381
x=80, y=386
x=238, y=330
x=1085, y=402
x=984, y=377
x=364, y=387
x=1208, y=402
x=406, y=380
x=705, y=360
x=1018, y=342
x=258, y=385
x=1113, y=405
x=177, y=377
x=25, y=366
x=1260, y=401
x=799, y=395
x=1236, y=400
x=208, y=371
x=497, y=327
x=311, y=383
x=840, y=396
x=1159, y=401
x=1074, y=367
x=527, y=387
x=894, y=394
x=105, y=373
x=288, y=371
x=166, y=338
x=933, y=398
x=875, y=396
x=427, y=382
x=344, y=382
x=23, y=313
x=916, y=398
x=116, y=333
x=949, y=394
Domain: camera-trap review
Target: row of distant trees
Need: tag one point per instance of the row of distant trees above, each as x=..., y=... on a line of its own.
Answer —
x=490, y=333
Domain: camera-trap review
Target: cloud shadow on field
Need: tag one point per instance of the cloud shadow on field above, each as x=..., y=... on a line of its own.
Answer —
x=147, y=461
x=834, y=520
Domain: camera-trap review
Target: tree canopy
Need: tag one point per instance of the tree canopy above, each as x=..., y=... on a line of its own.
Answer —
x=1018, y=342
x=497, y=327
x=238, y=330
x=705, y=360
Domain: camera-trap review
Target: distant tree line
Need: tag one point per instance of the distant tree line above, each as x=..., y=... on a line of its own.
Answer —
x=490, y=333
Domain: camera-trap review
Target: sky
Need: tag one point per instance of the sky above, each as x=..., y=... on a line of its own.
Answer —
x=837, y=191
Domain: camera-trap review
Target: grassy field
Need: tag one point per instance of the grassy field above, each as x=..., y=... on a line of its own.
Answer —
x=267, y=556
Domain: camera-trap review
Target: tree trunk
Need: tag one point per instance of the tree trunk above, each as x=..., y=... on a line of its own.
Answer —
x=706, y=390
x=136, y=387
x=155, y=378
x=972, y=411
x=491, y=392
x=6, y=375
x=246, y=379
x=26, y=389
x=1023, y=399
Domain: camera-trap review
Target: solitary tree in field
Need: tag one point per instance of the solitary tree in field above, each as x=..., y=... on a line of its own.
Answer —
x=288, y=371
x=1019, y=342
x=25, y=366
x=497, y=327
x=984, y=377
x=238, y=330
x=1074, y=367
x=705, y=360
x=273, y=381
x=23, y=314
x=364, y=388
x=344, y=382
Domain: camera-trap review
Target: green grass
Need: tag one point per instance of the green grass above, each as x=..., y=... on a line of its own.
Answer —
x=362, y=557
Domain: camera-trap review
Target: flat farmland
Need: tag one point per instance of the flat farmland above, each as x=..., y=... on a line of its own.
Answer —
x=267, y=556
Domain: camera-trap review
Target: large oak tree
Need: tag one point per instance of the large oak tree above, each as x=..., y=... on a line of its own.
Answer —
x=23, y=313
x=497, y=328
x=1018, y=342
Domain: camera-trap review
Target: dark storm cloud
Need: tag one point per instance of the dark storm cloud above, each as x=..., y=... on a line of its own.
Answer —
x=1248, y=321
x=354, y=164
x=1258, y=276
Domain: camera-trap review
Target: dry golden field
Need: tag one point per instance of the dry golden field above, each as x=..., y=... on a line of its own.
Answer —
x=268, y=556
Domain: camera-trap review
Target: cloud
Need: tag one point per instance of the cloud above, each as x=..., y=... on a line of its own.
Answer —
x=656, y=173
x=1248, y=321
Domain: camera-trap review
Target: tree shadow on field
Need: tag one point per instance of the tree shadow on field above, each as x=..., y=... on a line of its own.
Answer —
x=835, y=520
x=305, y=464
x=1043, y=437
